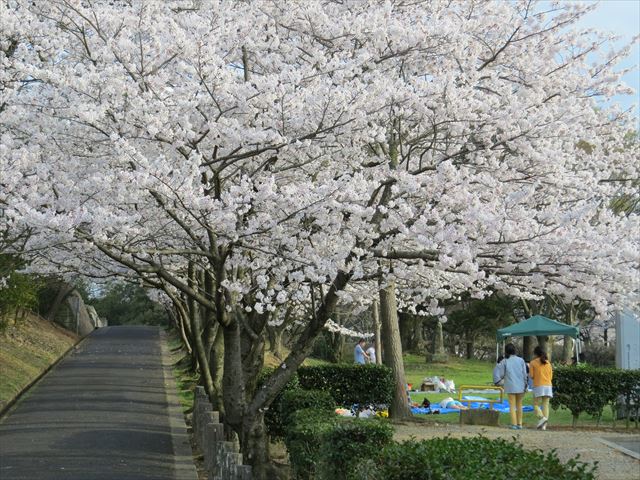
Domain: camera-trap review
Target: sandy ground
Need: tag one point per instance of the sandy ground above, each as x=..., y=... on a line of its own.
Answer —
x=612, y=464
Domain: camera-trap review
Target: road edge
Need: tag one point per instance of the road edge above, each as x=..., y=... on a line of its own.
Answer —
x=183, y=466
x=619, y=448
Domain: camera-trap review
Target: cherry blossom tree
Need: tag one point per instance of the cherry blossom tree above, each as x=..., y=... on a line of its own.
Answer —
x=246, y=156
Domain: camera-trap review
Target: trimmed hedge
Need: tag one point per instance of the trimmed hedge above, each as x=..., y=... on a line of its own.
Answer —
x=273, y=416
x=304, y=438
x=584, y=389
x=324, y=446
x=461, y=459
x=299, y=399
x=350, y=384
x=351, y=440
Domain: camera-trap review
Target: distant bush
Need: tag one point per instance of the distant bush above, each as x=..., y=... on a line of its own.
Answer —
x=585, y=389
x=350, y=384
x=600, y=355
x=464, y=459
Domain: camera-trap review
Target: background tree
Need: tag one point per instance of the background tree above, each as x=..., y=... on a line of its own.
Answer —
x=245, y=156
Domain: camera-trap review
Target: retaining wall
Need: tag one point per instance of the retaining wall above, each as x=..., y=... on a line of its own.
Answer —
x=222, y=459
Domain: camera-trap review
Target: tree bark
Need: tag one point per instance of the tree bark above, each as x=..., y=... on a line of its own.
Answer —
x=399, y=407
x=567, y=350
x=470, y=348
x=543, y=343
x=63, y=292
x=527, y=348
x=216, y=368
x=276, y=343
x=376, y=331
x=201, y=354
x=405, y=327
x=233, y=389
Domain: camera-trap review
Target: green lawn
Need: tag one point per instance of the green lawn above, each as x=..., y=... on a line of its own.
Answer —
x=462, y=372
x=474, y=372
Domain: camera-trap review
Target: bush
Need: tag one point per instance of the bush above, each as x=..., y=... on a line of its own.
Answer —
x=273, y=416
x=349, y=384
x=461, y=459
x=299, y=399
x=587, y=389
x=600, y=355
x=303, y=439
x=348, y=442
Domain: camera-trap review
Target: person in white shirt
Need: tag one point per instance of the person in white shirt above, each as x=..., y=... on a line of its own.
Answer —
x=371, y=351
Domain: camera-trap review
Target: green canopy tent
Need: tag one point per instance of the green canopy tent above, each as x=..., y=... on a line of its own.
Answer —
x=538, y=326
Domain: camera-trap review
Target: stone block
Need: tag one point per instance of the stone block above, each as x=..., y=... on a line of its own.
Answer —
x=214, y=433
x=206, y=418
x=480, y=417
x=243, y=472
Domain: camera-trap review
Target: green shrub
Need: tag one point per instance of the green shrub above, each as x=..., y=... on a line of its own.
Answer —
x=349, y=441
x=588, y=390
x=461, y=459
x=303, y=439
x=300, y=399
x=349, y=384
x=273, y=416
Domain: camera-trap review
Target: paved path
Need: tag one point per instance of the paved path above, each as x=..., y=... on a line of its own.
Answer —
x=108, y=411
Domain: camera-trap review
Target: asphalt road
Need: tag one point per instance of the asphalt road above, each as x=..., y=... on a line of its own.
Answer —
x=103, y=413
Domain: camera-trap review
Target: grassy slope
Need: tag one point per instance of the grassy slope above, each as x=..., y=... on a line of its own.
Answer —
x=26, y=350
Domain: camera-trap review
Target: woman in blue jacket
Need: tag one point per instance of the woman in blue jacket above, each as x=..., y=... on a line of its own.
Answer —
x=513, y=371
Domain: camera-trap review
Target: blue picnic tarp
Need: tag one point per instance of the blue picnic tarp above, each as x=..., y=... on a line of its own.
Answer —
x=473, y=403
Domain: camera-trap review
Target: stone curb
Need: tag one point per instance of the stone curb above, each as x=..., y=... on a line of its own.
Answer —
x=620, y=448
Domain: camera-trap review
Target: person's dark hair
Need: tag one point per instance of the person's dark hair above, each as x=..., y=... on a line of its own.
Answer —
x=361, y=340
x=509, y=349
x=538, y=352
x=500, y=358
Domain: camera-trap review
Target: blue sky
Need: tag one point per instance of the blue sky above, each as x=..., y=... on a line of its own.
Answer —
x=623, y=18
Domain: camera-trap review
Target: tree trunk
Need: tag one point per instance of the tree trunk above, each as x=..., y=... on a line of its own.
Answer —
x=543, y=343
x=216, y=369
x=276, y=343
x=233, y=389
x=399, y=407
x=527, y=348
x=405, y=327
x=201, y=354
x=336, y=342
x=255, y=447
x=470, y=348
x=63, y=292
x=376, y=331
x=419, y=342
x=567, y=350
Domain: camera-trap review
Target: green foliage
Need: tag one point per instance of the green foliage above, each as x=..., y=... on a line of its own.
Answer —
x=461, y=459
x=127, y=304
x=300, y=399
x=304, y=440
x=19, y=292
x=349, y=441
x=588, y=390
x=480, y=317
x=349, y=384
x=273, y=417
